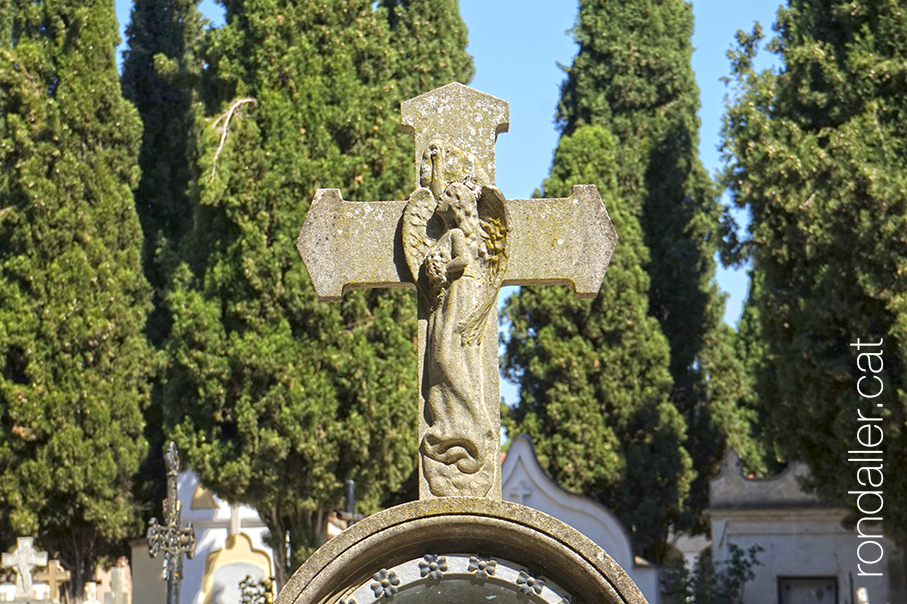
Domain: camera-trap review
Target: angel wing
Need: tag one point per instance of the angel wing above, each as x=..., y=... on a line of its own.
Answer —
x=419, y=236
x=494, y=221
x=494, y=228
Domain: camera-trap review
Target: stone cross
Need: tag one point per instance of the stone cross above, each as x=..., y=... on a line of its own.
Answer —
x=54, y=576
x=521, y=492
x=120, y=588
x=23, y=559
x=457, y=240
x=170, y=537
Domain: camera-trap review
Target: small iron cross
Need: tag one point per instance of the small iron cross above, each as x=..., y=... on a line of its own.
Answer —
x=169, y=537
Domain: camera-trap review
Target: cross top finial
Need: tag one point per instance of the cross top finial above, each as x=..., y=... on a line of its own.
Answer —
x=172, y=460
x=460, y=116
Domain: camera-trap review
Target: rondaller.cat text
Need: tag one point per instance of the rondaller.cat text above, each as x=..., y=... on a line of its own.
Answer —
x=870, y=459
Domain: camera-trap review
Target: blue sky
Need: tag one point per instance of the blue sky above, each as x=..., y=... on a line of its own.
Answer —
x=517, y=45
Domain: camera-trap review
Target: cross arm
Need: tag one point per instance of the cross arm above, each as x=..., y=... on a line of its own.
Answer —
x=347, y=244
x=566, y=241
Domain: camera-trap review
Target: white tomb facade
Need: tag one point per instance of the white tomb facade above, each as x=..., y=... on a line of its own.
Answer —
x=229, y=546
x=809, y=556
x=524, y=481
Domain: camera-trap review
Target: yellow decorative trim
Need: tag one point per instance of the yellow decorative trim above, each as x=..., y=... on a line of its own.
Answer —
x=203, y=499
x=238, y=548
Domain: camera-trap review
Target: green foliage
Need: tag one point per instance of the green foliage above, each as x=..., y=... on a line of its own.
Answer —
x=160, y=74
x=633, y=73
x=277, y=398
x=430, y=38
x=161, y=70
x=632, y=76
x=254, y=591
x=594, y=380
x=74, y=361
x=713, y=583
x=817, y=154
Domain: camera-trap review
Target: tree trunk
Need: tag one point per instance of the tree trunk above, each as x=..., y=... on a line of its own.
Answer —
x=278, y=542
x=77, y=585
x=320, y=527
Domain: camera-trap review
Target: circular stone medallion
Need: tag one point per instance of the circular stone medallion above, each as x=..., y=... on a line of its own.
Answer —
x=457, y=550
x=455, y=579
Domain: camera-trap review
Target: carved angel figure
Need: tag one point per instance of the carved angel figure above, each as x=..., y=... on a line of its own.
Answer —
x=455, y=232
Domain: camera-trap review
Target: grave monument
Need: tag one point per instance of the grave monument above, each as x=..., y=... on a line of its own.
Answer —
x=457, y=240
x=171, y=538
x=23, y=561
x=55, y=576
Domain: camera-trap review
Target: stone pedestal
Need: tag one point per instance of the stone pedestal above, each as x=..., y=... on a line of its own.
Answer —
x=456, y=550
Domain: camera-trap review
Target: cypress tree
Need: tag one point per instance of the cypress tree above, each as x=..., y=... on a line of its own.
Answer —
x=817, y=154
x=161, y=70
x=160, y=75
x=594, y=380
x=278, y=398
x=74, y=361
x=430, y=38
x=632, y=74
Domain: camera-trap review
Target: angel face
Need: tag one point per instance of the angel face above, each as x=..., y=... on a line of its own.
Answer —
x=457, y=205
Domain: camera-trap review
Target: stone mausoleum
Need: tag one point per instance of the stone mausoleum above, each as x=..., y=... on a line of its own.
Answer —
x=809, y=556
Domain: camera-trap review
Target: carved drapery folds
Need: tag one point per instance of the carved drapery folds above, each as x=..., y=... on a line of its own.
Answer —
x=455, y=230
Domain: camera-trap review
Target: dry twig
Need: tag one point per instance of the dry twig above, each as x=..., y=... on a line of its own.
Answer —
x=226, y=116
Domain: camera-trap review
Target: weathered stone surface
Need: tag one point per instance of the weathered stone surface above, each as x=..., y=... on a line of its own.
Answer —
x=23, y=560
x=347, y=244
x=546, y=548
x=561, y=241
x=459, y=115
x=457, y=240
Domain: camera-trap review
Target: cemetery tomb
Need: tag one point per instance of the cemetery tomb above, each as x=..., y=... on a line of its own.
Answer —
x=456, y=241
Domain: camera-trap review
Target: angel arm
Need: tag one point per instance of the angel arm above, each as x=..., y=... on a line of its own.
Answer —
x=459, y=252
x=432, y=178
